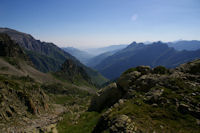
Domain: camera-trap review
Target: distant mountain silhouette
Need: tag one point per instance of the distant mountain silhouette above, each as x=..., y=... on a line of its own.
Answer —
x=185, y=45
x=97, y=59
x=82, y=56
x=98, y=51
x=136, y=54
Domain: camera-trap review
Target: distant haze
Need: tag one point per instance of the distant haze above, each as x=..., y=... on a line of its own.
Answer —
x=98, y=23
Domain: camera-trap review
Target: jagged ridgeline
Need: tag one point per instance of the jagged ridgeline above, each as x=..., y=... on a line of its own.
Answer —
x=48, y=57
x=151, y=100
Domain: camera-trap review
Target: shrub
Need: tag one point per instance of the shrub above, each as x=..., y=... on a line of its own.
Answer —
x=160, y=70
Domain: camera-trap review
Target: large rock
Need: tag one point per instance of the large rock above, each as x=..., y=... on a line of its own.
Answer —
x=106, y=97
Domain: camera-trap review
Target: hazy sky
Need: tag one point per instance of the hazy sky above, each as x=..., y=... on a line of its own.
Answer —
x=94, y=23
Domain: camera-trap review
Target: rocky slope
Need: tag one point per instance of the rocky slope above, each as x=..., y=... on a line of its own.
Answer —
x=20, y=99
x=32, y=101
x=151, y=100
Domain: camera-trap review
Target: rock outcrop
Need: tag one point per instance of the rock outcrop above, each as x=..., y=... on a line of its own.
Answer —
x=155, y=100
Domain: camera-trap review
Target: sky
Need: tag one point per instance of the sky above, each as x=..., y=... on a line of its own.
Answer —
x=98, y=23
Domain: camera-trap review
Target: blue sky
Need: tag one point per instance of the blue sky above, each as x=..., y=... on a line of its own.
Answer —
x=96, y=23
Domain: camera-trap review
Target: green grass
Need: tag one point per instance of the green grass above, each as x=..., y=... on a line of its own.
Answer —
x=96, y=77
x=147, y=118
x=130, y=70
x=85, y=123
x=77, y=80
x=13, y=61
x=160, y=70
x=63, y=99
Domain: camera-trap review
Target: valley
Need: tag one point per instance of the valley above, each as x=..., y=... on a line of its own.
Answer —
x=45, y=89
x=99, y=66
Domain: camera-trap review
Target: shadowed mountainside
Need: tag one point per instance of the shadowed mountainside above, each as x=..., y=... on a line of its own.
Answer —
x=47, y=56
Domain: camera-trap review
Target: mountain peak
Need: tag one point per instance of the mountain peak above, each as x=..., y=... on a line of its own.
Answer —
x=133, y=43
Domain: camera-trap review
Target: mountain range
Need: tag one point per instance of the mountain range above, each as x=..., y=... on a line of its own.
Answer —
x=185, y=45
x=101, y=50
x=104, y=53
x=135, y=54
x=93, y=56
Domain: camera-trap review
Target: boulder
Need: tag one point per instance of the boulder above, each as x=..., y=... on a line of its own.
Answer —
x=106, y=97
x=122, y=124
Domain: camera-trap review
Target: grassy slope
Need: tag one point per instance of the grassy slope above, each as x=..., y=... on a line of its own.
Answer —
x=21, y=68
x=77, y=120
x=96, y=77
x=85, y=123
